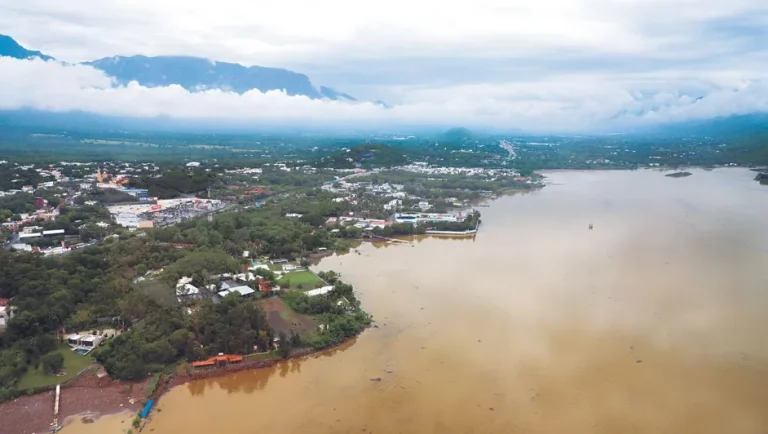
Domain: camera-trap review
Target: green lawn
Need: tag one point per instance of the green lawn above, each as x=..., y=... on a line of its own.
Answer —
x=73, y=363
x=306, y=279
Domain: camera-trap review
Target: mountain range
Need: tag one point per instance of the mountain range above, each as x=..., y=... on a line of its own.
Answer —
x=193, y=73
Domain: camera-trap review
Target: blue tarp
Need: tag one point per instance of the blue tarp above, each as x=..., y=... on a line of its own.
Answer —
x=145, y=412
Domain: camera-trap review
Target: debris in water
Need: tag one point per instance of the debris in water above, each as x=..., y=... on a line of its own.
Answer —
x=376, y=379
x=638, y=361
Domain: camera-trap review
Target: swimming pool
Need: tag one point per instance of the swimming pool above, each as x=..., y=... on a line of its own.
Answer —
x=82, y=351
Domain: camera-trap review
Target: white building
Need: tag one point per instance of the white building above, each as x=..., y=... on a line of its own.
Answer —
x=187, y=292
x=6, y=313
x=84, y=343
x=245, y=291
x=319, y=291
x=393, y=205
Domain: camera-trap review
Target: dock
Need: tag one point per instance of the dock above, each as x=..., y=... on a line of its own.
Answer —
x=394, y=240
x=57, y=398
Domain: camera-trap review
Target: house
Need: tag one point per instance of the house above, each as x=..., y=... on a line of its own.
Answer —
x=393, y=205
x=6, y=312
x=187, y=292
x=423, y=205
x=90, y=341
x=245, y=291
x=183, y=281
x=245, y=277
x=228, y=284
x=73, y=339
x=265, y=285
x=84, y=343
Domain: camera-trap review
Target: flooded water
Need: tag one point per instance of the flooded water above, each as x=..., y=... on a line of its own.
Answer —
x=652, y=322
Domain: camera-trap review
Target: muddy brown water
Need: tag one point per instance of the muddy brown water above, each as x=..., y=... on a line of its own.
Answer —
x=653, y=322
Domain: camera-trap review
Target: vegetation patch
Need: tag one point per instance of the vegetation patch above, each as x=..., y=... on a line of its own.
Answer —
x=36, y=377
x=283, y=319
x=300, y=280
x=338, y=312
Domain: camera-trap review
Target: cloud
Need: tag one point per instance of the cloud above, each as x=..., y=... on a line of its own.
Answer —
x=564, y=64
x=577, y=102
x=316, y=35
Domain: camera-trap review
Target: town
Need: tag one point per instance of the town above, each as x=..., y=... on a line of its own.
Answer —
x=65, y=206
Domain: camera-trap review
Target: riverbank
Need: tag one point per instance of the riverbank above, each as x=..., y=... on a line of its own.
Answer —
x=180, y=379
x=91, y=396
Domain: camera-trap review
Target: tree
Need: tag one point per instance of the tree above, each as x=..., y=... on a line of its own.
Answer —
x=53, y=362
x=284, y=348
x=295, y=339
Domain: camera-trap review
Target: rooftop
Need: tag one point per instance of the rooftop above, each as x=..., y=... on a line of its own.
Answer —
x=320, y=291
x=242, y=290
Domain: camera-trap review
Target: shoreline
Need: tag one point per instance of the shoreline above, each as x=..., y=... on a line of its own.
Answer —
x=33, y=413
x=177, y=380
x=89, y=397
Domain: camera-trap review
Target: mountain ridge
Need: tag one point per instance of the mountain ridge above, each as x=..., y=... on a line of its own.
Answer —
x=192, y=73
x=10, y=48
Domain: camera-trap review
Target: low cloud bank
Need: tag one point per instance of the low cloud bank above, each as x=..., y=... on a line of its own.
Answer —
x=564, y=103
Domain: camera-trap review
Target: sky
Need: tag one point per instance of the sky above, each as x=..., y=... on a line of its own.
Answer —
x=544, y=64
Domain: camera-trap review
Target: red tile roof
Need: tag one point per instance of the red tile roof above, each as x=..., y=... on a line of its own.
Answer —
x=226, y=358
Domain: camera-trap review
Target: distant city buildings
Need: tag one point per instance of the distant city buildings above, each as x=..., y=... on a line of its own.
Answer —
x=162, y=212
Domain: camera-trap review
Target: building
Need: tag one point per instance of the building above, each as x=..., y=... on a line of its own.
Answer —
x=265, y=285
x=245, y=291
x=25, y=235
x=127, y=219
x=245, y=277
x=83, y=343
x=393, y=205
x=187, y=292
x=6, y=312
x=427, y=218
x=319, y=291
x=220, y=360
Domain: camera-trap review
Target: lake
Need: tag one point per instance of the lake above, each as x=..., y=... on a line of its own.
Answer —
x=654, y=322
